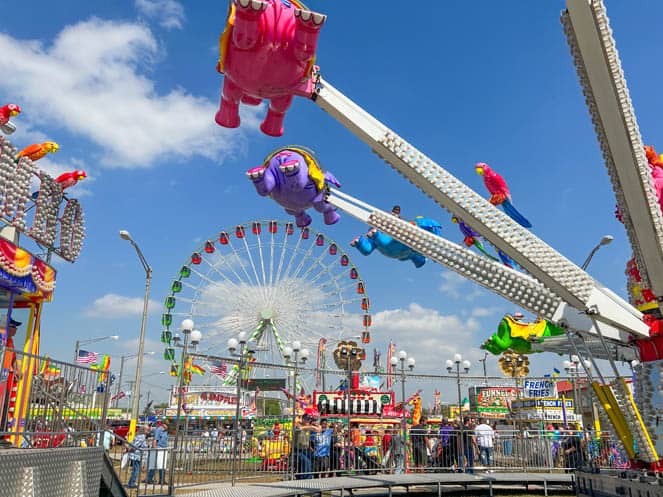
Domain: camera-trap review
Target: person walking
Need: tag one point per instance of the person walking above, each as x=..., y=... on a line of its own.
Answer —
x=485, y=437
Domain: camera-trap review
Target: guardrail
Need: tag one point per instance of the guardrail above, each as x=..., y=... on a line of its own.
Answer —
x=46, y=403
x=201, y=458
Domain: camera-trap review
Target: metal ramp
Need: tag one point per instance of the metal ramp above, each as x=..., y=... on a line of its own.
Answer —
x=74, y=472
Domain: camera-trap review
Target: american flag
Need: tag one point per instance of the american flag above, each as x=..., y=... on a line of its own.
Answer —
x=218, y=368
x=85, y=357
x=118, y=396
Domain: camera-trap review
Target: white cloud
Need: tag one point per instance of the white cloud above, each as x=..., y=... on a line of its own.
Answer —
x=482, y=312
x=114, y=306
x=55, y=169
x=91, y=81
x=451, y=284
x=426, y=333
x=455, y=286
x=169, y=13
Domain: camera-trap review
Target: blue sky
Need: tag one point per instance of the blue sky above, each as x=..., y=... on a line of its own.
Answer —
x=129, y=90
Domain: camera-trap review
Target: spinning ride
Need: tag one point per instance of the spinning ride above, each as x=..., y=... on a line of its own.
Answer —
x=595, y=319
x=273, y=281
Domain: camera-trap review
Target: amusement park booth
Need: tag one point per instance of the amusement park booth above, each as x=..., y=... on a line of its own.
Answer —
x=205, y=403
x=34, y=211
x=492, y=402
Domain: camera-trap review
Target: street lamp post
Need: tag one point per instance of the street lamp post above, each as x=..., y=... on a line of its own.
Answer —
x=194, y=336
x=457, y=360
x=245, y=351
x=604, y=241
x=295, y=354
x=91, y=340
x=119, y=380
x=483, y=362
x=403, y=359
x=141, y=342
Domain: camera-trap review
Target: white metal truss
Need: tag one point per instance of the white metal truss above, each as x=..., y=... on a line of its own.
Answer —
x=518, y=288
x=561, y=276
x=599, y=69
x=588, y=345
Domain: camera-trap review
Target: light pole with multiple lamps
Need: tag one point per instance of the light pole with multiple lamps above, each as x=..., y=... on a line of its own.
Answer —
x=457, y=361
x=119, y=380
x=91, y=340
x=191, y=337
x=294, y=354
x=246, y=348
x=403, y=359
x=141, y=341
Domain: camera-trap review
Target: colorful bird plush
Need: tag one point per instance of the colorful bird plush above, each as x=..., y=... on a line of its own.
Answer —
x=38, y=150
x=500, y=194
x=506, y=260
x=67, y=180
x=471, y=237
x=8, y=111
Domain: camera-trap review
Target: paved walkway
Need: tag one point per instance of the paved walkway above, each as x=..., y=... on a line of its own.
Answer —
x=345, y=484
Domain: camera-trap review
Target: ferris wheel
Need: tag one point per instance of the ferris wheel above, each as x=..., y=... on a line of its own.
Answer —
x=275, y=283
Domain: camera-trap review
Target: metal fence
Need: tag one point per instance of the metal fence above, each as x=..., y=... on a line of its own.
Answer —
x=57, y=404
x=268, y=456
x=46, y=403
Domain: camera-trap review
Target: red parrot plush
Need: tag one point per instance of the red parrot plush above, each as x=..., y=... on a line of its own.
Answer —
x=67, y=180
x=38, y=150
x=8, y=111
x=499, y=192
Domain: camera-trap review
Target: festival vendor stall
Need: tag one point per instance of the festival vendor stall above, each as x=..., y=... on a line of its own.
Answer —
x=540, y=402
x=208, y=403
x=491, y=402
x=52, y=222
x=361, y=402
x=25, y=282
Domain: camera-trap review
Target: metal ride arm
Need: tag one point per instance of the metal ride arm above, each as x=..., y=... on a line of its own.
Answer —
x=516, y=287
x=557, y=273
x=599, y=69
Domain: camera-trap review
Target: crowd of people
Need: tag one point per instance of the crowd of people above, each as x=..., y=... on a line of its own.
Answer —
x=322, y=448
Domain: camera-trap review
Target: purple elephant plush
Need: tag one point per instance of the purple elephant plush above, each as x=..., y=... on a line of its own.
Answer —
x=293, y=177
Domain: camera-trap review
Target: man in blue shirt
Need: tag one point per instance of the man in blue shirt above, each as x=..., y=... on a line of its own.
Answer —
x=321, y=449
x=159, y=457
